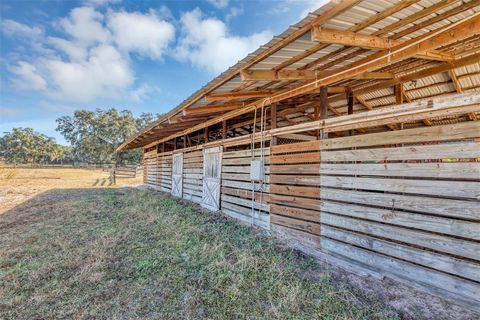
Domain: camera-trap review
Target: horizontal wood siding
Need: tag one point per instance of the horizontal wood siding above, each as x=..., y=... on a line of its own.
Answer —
x=165, y=171
x=151, y=172
x=406, y=203
x=193, y=175
x=295, y=192
x=236, y=191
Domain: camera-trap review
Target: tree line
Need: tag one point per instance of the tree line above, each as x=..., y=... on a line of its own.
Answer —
x=93, y=137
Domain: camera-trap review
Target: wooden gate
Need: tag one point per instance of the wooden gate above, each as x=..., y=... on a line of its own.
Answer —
x=212, y=174
x=177, y=174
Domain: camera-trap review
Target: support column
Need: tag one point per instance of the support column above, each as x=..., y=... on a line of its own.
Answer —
x=206, y=135
x=399, y=97
x=273, y=122
x=323, y=109
x=351, y=101
x=224, y=129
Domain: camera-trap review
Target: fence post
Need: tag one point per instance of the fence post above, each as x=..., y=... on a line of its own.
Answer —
x=113, y=175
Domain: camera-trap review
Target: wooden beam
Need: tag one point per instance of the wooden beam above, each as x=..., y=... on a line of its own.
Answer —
x=237, y=95
x=211, y=109
x=301, y=74
x=353, y=39
x=420, y=74
x=374, y=75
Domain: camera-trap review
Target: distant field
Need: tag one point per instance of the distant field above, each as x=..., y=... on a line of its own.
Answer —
x=19, y=184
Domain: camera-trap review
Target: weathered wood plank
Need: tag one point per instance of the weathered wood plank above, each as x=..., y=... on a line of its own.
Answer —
x=454, y=227
x=296, y=213
x=296, y=147
x=313, y=192
x=295, y=158
x=461, y=189
x=438, y=151
x=292, y=201
x=440, y=243
x=464, y=209
x=307, y=180
x=295, y=169
x=466, y=289
x=306, y=226
x=463, y=130
x=454, y=170
x=259, y=205
x=247, y=194
x=429, y=259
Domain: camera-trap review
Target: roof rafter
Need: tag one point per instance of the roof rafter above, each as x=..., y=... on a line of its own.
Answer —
x=354, y=39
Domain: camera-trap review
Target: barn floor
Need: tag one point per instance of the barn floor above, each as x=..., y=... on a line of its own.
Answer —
x=123, y=253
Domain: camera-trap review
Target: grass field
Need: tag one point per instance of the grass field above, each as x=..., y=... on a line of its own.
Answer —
x=72, y=249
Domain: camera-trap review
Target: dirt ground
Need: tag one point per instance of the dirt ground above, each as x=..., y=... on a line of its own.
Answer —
x=71, y=240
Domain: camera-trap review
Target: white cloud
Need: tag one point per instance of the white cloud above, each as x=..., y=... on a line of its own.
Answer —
x=220, y=4
x=13, y=28
x=92, y=60
x=28, y=76
x=105, y=73
x=85, y=25
x=206, y=42
x=146, y=34
x=74, y=51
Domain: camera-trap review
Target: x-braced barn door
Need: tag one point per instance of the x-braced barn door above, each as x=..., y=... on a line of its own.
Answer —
x=177, y=174
x=212, y=174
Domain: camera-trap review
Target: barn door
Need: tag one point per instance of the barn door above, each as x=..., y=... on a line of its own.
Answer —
x=177, y=174
x=212, y=174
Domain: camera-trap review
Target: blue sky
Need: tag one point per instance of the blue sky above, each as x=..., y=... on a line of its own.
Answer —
x=145, y=56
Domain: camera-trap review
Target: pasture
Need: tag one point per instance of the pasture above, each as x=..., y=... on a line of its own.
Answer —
x=75, y=247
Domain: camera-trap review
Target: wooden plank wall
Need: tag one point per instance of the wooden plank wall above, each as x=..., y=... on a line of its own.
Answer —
x=407, y=203
x=164, y=163
x=236, y=190
x=295, y=191
x=150, y=172
x=193, y=175
x=402, y=203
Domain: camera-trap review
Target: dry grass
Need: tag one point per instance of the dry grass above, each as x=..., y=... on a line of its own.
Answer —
x=126, y=253
x=134, y=254
x=20, y=184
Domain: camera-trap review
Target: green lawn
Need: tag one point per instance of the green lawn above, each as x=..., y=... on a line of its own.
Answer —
x=129, y=253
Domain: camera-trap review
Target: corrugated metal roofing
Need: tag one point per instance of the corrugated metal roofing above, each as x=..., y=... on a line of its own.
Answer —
x=230, y=81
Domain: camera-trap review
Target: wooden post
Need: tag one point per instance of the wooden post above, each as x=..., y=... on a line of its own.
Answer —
x=175, y=143
x=316, y=116
x=206, y=134
x=398, y=89
x=224, y=129
x=350, y=99
x=273, y=120
x=184, y=141
x=323, y=109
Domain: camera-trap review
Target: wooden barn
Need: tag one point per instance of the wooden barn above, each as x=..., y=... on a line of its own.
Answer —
x=353, y=135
